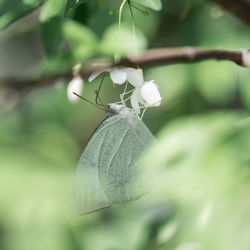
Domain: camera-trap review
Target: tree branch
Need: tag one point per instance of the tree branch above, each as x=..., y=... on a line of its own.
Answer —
x=186, y=55
x=240, y=8
x=161, y=56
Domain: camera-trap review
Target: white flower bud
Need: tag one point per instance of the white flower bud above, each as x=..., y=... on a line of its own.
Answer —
x=75, y=85
x=246, y=58
x=151, y=94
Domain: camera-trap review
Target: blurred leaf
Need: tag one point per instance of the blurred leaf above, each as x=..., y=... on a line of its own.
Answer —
x=165, y=76
x=11, y=10
x=51, y=19
x=82, y=39
x=52, y=36
x=189, y=144
x=122, y=41
x=245, y=87
x=202, y=163
x=214, y=81
x=153, y=4
x=74, y=3
x=52, y=8
x=78, y=34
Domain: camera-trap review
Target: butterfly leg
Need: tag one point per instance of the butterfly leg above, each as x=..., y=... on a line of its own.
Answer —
x=124, y=92
x=143, y=112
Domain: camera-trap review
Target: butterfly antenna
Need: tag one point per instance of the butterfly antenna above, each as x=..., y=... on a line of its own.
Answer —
x=100, y=103
x=98, y=91
x=89, y=101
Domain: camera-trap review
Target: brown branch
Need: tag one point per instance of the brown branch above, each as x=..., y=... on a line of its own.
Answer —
x=186, y=55
x=152, y=57
x=240, y=8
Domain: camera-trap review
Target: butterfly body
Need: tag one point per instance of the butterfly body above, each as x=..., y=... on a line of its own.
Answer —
x=106, y=173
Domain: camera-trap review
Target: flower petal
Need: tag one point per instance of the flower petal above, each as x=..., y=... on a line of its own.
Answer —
x=118, y=75
x=97, y=73
x=134, y=77
x=139, y=97
x=134, y=102
x=151, y=94
x=75, y=85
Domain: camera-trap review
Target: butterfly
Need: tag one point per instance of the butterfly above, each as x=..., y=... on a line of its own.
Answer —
x=106, y=173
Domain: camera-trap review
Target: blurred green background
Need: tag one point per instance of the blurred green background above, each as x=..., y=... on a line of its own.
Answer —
x=199, y=170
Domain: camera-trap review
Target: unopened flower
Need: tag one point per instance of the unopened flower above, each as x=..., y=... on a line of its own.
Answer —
x=148, y=95
x=246, y=58
x=75, y=85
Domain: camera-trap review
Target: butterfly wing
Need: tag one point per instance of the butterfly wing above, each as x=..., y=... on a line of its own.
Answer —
x=106, y=174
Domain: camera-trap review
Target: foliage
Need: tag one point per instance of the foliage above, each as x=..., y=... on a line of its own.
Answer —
x=199, y=170
x=12, y=10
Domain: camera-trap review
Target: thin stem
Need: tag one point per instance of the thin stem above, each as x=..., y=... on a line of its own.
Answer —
x=144, y=12
x=136, y=8
x=120, y=12
x=132, y=16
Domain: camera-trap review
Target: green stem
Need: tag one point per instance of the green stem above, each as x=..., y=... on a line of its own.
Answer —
x=144, y=12
x=120, y=12
x=132, y=16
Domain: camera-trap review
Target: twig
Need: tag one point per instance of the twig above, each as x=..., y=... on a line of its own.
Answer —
x=151, y=57
x=186, y=55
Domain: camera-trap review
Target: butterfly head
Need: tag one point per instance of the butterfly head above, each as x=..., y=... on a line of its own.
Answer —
x=114, y=108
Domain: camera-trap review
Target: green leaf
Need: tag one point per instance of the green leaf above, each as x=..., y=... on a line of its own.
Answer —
x=122, y=41
x=74, y=3
x=82, y=39
x=152, y=4
x=244, y=87
x=203, y=162
x=52, y=36
x=218, y=87
x=77, y=33
x=11, y=10
x=198, y=152
x=51, y=18
x=52, y=8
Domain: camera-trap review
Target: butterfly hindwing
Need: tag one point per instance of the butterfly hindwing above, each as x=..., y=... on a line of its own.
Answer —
x=106, y=174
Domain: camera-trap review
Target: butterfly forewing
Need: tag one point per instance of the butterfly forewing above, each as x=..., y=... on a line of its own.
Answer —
x=106, y=174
